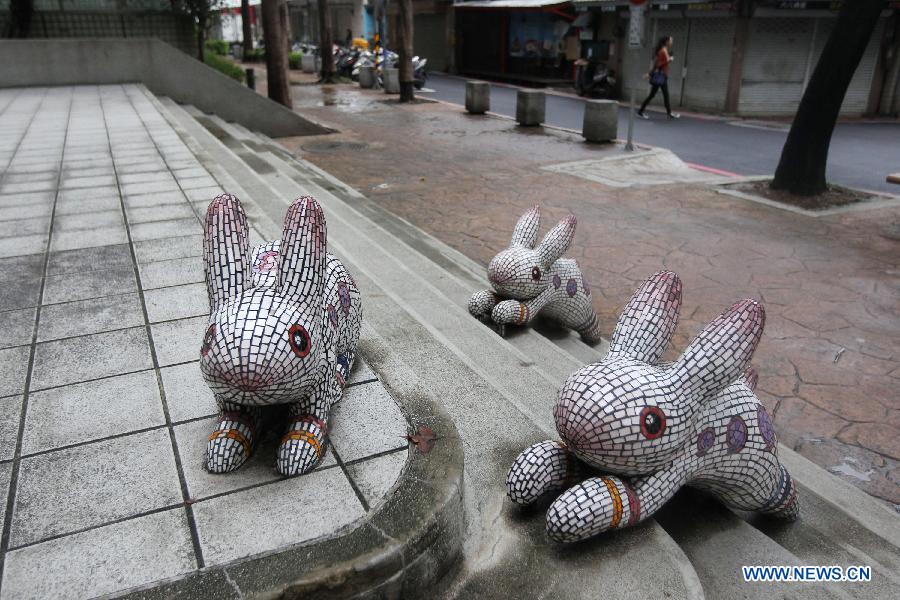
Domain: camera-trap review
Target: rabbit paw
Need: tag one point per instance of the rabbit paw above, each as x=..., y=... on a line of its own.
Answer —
x=231, y=444
x=539, y=469
x=481, y=303
x=591, y=507
x=301, y=447
x=510, y=312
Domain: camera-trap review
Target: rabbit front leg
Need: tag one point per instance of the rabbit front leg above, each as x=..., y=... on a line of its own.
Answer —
x=601, y=503
x=540, y=469
x=481, y=303
x=234, y=438
x=303, y=446
x=513, y=312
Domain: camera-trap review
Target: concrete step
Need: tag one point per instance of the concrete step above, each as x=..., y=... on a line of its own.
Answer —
x=499, y=399
x=416, y=289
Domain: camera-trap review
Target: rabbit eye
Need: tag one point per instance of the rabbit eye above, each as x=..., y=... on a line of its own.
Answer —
x=536, y=274
x=653, y=422
x=208, y=340
x=299, y=339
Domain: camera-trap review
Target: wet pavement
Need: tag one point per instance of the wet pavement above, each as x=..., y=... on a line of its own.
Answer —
x=829, y=361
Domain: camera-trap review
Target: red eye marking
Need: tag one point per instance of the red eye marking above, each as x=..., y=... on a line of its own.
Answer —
x=299, y=339
x=653, y=422
x=536, y=274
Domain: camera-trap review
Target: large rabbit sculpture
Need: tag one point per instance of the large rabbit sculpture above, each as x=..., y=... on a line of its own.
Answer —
x=646, y=428
x=528, y=279
x=283, y=329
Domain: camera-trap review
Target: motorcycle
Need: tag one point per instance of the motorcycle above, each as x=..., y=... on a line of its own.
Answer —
x=593, y=79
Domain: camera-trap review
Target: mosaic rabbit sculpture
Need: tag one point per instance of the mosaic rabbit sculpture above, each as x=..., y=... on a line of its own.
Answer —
x=527, y=280
x=283, y=327
x=658, y=427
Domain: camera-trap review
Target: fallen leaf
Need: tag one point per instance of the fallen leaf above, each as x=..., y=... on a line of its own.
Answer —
x=423, y=440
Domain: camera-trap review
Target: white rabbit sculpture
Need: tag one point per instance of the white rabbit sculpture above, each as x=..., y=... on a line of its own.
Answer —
x=283, y=327
x=527, y=280
x=649, y=428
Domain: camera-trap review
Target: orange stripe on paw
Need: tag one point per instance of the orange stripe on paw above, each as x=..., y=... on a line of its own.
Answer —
x=233, y=434
x=617, y=501
x=303, y=436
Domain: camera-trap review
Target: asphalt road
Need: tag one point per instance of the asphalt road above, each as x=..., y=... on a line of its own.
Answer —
x=861, y=154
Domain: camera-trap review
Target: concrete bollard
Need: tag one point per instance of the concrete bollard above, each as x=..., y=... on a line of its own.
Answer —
x=478, y=97
x=530, y=107
x=392, y=81
x=367, y=77
x=601, y=120
x=308, y=63
x=251, y=78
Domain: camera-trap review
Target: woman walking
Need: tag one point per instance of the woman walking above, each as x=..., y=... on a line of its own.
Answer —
x=659, y=75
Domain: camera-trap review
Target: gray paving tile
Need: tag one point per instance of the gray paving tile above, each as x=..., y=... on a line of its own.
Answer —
x=98, y=258
x=16, y=327
x=172, y=272
x=84, y=317
x=157, y=199
x=19, y=293
x=12, y=201
x=165, y=212
x=366, y=421
x=146, y=177
x=24, y=226
x=189, y=172
x=22, y=245
x=33, y=211
x=93, y=410
x=165, y=229
x=10, y=410
x=75, y=488
x=187, y=394
x=374, y=477
x=178, y=341
x=27, y=186
x=150, y=187
x=266, y=518
x=192, y=183
x=205, y=194
x=89, y=238
x=88, y=182
x=168, y=248
x=103, y=560
x=20, y=267
x=82, y=285
x=83, y=358
x=5, y=475
x=179, y=302
x=75, y=195
x=70, y=171
x=13, y=368
x=88, y=220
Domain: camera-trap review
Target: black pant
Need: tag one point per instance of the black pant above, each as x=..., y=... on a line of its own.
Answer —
x=665, y=90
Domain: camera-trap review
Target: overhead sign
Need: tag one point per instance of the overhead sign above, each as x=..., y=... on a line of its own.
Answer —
x=636, y=25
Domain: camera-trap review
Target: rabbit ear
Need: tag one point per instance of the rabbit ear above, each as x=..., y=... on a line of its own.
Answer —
x=722, y=351
x=525, y=233
x=647, y=323
x=226, y=248
x=557, y=240
x=301, y=269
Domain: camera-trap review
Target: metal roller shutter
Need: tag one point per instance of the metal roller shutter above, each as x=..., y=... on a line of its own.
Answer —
x=708, y=63
x=857, y=99
x=430, y=40
x=775, y=65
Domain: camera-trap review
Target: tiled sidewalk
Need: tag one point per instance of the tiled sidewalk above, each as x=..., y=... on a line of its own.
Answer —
x=103, y=413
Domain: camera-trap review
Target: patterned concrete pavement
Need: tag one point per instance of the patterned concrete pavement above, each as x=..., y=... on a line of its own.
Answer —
x=103, y=413
x=830, y=359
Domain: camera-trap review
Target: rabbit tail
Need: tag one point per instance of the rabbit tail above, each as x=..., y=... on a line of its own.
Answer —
x=590, y=331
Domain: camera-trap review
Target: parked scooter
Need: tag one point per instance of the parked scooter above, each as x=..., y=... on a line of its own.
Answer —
x=593, y=79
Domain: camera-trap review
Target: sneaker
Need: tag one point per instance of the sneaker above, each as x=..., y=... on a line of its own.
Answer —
x=642, y=115
x=674, y=116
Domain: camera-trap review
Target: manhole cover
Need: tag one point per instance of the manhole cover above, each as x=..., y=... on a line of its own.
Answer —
x=328, y=147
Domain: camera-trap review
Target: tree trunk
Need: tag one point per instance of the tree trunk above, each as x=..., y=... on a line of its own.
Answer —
x=274, y=14
x=801, y=169
x=405, y=50
x=326, y=45
x=245, y=25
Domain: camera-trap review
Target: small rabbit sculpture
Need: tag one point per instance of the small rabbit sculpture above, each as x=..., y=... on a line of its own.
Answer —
x=528, y=280
x=650, y=428
x=283, y=326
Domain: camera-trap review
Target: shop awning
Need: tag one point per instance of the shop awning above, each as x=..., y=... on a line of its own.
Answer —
x=508, y=3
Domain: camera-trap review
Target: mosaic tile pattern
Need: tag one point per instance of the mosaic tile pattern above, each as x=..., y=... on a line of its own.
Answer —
x=528, y=279
x=643, y=428
x=283, y=328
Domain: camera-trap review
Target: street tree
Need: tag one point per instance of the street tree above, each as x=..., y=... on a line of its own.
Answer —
x=801, y=169
x=275, y=27
x=326, y=43
x=245, y=26
x=404, y=52
x=201, y=13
